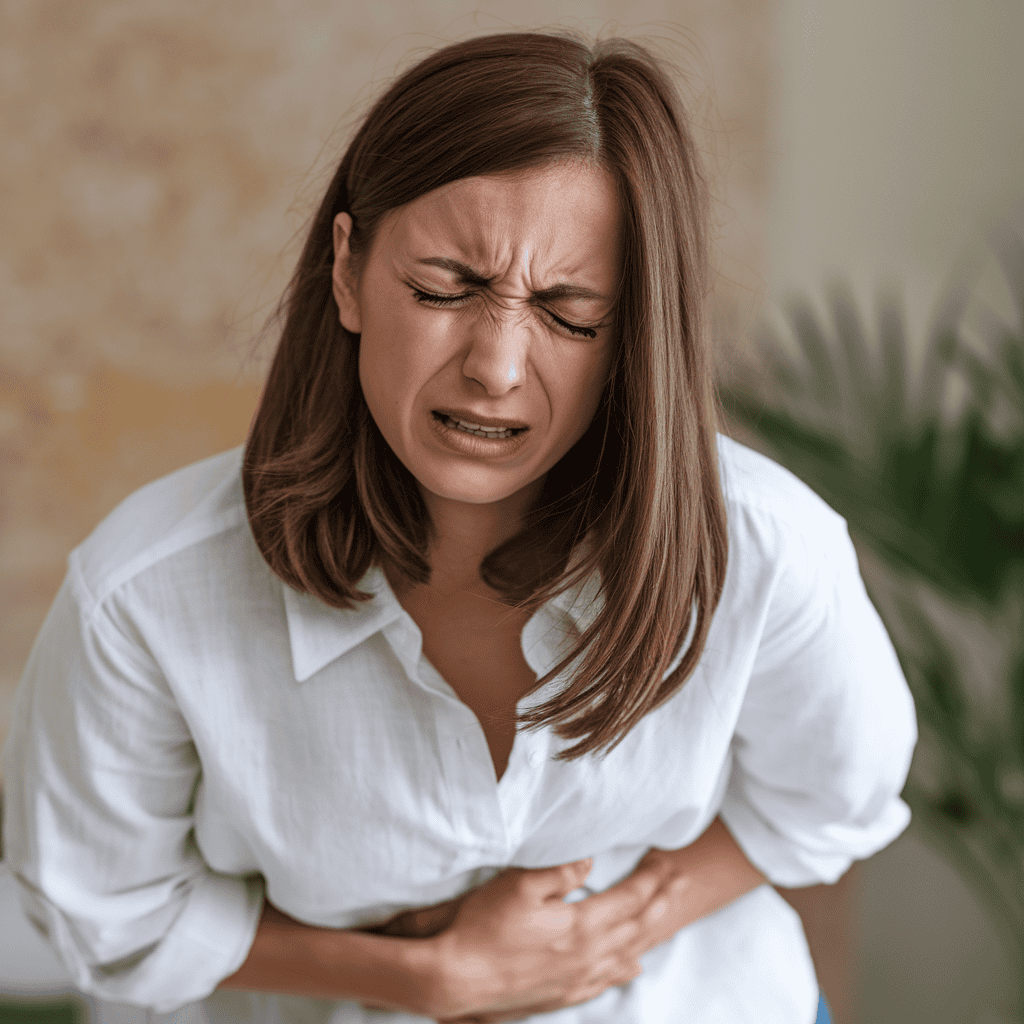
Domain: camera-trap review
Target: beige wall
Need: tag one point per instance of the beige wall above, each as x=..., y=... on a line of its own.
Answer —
x=158, y=160
x=899, y=143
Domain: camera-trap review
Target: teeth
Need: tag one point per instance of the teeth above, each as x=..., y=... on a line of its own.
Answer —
x=487, y=430
x=475, y=428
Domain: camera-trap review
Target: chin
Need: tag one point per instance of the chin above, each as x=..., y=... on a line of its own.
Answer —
x=472, y=495
x=472, y=492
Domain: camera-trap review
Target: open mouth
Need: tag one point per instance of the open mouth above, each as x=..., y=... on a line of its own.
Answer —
x=477, y=429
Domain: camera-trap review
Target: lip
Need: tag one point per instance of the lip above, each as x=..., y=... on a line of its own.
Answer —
x=468, y=416
x=474, y=446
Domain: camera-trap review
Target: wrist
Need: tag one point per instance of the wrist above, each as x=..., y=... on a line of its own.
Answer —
x=431, y=984
x=291, y=958
x=709, y=873
x=696, y=880
x=454, y=981
x=413, y=981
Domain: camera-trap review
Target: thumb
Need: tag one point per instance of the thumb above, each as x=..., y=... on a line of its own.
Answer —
x=571, y=876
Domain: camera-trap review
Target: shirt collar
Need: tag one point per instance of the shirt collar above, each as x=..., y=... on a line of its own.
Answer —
x=319, y=633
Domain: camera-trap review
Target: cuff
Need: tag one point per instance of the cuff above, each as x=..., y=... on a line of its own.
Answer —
x=797, y=856
x=208, y=941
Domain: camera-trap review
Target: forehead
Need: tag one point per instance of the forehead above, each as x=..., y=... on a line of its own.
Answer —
x=564, y=217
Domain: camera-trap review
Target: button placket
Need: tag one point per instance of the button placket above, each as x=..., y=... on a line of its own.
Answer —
x=543, y=641
x=466, y=762
x=476, y=819
x=517, y=790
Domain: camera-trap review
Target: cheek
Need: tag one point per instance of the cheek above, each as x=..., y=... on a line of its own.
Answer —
x=382, y=390
x=396, y=361
x=382, y=355
x=592, y=379
x=578, y=403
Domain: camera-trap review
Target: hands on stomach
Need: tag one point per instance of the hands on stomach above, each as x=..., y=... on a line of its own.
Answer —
x=514, y=947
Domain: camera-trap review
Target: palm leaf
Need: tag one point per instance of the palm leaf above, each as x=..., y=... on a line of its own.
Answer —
x=938, y=496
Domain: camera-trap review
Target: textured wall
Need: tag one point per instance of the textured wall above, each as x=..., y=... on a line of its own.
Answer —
x=158, y=159
x=900, y=144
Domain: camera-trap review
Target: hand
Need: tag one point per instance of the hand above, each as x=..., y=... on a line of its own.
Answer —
x=422, y=922
x=649, y=887
x=514, y=947
x=652, y=878
x=506, y=918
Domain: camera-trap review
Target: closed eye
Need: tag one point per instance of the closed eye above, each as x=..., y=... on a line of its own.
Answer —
x=445, y=301
x=431, y=299
x=582, y=332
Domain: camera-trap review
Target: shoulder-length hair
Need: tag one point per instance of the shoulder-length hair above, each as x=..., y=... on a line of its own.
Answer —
x=326, y=496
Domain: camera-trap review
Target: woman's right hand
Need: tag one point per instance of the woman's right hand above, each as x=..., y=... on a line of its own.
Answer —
x=515, y=947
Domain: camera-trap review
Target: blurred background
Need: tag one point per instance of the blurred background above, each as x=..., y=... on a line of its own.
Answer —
x=158, y=163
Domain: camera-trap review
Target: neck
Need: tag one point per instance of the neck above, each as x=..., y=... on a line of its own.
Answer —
x=463, y=534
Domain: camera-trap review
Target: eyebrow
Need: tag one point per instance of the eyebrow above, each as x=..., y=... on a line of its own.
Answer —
x=467, y=275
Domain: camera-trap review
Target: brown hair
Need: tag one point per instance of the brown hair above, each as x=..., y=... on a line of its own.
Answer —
x=327, y=497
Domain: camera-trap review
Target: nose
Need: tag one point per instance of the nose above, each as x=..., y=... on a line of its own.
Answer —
x=496, y=359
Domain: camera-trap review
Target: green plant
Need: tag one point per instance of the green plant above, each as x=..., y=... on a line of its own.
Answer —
x=928, y=469
x=26, y=1011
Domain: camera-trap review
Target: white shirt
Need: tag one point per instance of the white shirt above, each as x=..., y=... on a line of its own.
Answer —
x=189, y=729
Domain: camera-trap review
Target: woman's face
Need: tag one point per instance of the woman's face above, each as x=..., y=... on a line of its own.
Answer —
x=484, y=310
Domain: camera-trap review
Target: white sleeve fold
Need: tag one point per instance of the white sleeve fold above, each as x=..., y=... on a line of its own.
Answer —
x=208, y=940
x=100, y=775
x=825, y=735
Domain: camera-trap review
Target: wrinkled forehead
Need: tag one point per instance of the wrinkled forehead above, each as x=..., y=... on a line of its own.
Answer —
x=560, y=218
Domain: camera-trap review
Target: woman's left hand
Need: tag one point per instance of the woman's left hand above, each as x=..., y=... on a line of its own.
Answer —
x=650, y=888
x=668, y=888
x=653, y=876
x=656, y=887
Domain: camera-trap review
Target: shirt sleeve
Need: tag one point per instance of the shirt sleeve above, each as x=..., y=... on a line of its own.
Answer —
x=824, y=737
x=100, y=773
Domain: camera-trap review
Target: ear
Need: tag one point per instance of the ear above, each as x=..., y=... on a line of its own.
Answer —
x=343, y=282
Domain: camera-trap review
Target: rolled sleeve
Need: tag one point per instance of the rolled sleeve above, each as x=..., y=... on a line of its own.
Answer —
x=825, y=735
x=100, y=776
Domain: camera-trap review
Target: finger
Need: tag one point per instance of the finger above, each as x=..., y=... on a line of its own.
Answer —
x=583, y=994
x=628, y=972
x=609, y=975
x=555, y=882
x=614, y=906
x=613, y=974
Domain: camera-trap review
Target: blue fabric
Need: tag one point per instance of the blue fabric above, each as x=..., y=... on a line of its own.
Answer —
x=823, y=1014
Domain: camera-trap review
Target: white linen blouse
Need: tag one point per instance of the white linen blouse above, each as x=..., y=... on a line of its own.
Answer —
x=191, y=733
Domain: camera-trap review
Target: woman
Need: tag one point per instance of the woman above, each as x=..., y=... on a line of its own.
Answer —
x=267, y=740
